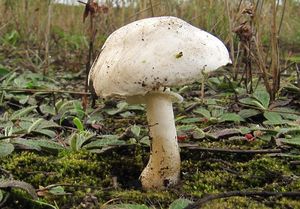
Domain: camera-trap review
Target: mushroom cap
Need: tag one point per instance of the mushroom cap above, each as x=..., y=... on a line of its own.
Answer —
x=154, y=53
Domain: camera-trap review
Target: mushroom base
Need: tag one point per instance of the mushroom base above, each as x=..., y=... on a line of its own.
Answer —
x=163, y=168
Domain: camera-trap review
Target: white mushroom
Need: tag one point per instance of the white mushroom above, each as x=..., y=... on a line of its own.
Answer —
x=140, y=61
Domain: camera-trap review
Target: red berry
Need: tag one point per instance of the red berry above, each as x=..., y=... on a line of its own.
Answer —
x=182, y=138
x=205, y=120
x=249, y=137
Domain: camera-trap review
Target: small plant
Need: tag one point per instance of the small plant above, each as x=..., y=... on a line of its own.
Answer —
x=217, y=115
x=259, y=103
x=123, y=109
x=180, y=203
x=10, y=38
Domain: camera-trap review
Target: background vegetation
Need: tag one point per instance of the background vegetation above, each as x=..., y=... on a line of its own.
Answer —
x=58, y=152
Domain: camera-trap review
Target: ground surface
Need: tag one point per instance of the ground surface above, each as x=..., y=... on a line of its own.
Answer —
x=73, y=173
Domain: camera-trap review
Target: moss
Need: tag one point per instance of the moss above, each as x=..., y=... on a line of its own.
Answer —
x=202, y=173
x=159, y=199
x=214, y=176
x=235, y=203
x=252, y=203
x=19, y=200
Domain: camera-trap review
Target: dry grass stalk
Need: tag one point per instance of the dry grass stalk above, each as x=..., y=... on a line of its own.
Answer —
x=47, y=37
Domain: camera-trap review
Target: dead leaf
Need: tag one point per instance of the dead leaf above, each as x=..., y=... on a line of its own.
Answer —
x=226, y=133
x=92, y=8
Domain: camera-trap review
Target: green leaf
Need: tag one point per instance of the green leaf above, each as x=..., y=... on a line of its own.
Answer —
x=59, y=104
x=136, y=107
x=233, y=117
x=58, y=190
x=204, y=112
x=287, y=113
x=73, y=141
x=21, y=113
x=6, y=148
x=263, y=97
x=244, y=130
x=290, y=130
x=180, y=203
x=49, y=145
x=78, y=124
x=78, y=108
x=39, y=126
x=273, y=117
x=217, y=112
x=252, y=102
x=30, y=144
x=136, y=130
x=186, y=128
x=122, y=106
x=95, y=118
x=111, y=140
x=293, y=58
x=47, y=204
x=293, y=141
x=35, y=124
x=190, y=120
x=127, y=114
x=184, y=89
x=247, y=113
x=23, y=99
x=47, y=109
x=191, y=129
x=39, y=144
x=18, y=184
x=9, y=79
x=25, y=125
x=145, y=140
x=248, y=101
x=78, y=139
x=198, y=133
x=211, y=101
x=1, y=195
x=127, y=206
x=64, y=106
x=3, y=71
x=46, y=132
x=48, y=124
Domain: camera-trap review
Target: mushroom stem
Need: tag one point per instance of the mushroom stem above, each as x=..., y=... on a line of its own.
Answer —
x=163, y=168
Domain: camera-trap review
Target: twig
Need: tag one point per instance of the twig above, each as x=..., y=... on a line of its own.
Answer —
x=9, y=137
x=72, y=185
x=81, y=2
x=6, y=173
x=18, y=184
x=54, y=103
x=47, y=38
x=231, y=41
x=295, y=162
x=282, y=17
x=191, y=107
x=108, y=202
x=50, y=91
x=5, y=24
x=144, y=10
x=10, y=177
x=238, y=151
x=4, y=199
x=287, y=67
x=298, y=75
x=152, y=10
x=274, y=68
x=202, y=201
